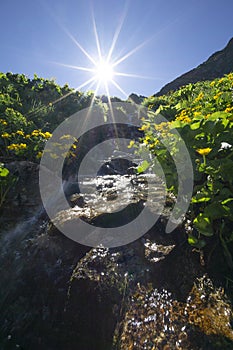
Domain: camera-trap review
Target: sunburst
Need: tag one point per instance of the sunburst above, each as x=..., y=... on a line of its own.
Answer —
x=104, y=71
x=104, y=68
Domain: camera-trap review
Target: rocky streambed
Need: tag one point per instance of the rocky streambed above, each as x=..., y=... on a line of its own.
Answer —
x=152, y=293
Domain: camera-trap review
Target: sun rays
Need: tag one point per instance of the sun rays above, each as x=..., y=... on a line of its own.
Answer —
x=102, y=70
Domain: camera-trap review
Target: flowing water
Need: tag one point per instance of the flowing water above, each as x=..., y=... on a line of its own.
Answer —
x=56, y=294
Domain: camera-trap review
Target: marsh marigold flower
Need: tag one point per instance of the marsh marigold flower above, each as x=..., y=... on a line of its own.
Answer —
x=199, y=97
x=17, y=146
x=144, y=127
x=204, y=151
x=20, y=132
x=229, y=109
x=3, y=122
x=35, y=133
x=5, y=135
x=47, y=135
x=131, y=144
x=39, y=155
x=217, y=95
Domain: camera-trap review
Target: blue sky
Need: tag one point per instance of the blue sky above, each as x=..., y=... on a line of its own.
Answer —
x=177, y=35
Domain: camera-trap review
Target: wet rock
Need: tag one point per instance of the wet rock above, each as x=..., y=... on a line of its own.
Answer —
x=98, y=283
x=25, y=190
x=155, y=320
x=57, y=294
x=77, y=200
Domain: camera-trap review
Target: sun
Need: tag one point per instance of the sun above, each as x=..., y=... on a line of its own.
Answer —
x=104, y=72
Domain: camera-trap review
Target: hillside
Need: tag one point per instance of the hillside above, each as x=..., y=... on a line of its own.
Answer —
x=218, y=64
x=161, y=291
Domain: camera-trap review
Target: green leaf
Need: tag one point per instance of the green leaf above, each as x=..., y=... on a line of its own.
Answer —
x=227, y=201
x=217, y=115
x=201, y=197
x=4, y=172
x=195, y=126
x=192, y=240
x=200, y=200
x=195, y=242
x=203, y=225
x=176, y=124
x=143, y=166
x=216, y=210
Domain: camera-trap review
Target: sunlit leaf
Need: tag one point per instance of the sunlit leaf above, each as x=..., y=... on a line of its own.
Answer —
x=143, y=166
x=4, y=172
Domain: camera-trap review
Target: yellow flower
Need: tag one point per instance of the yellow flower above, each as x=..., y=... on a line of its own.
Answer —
x=146, y=140
x=132, y=142
x=3, y=122
x=5, y=135
x=204, y=151
x=212, y=83
x=35, y=133
x=39, y=155
x=154, y=144
x=27, y=136
x=199, y=97
x=144, y=127
x=229, y=109
x=217, y=95
x=183, y=116
x=196, y=114
x=22, y=146
x=74, y=146
x=162, y=126
x=11, y=147
x=17, y=146
x=20, y=132
x=47, y=135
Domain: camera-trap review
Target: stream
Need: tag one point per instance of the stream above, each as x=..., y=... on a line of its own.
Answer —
x=151, y=293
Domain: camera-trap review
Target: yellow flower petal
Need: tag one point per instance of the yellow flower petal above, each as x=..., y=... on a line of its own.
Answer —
x=204, y=151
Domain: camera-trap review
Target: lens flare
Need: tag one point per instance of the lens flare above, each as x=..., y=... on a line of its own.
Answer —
x=104, y=72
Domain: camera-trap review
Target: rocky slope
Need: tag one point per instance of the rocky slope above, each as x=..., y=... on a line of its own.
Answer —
x=56, y=294
x=218, y=64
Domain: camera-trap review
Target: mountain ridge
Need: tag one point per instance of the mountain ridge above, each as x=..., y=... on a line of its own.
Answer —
x=216, y=66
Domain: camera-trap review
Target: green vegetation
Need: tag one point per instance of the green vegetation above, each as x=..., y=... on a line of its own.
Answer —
x=6, y=181
x=202, y=113
x=30, y=110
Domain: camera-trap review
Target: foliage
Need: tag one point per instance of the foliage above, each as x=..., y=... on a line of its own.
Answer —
x=30, y=109
x=6, y=182
x=202, y=113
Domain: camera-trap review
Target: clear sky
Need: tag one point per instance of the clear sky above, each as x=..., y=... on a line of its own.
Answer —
x=170, y=37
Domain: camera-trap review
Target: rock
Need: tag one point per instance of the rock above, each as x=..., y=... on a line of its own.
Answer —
x=77, y=200
x=136, y=98
x=156, y=320
x=57, y=294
